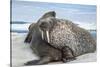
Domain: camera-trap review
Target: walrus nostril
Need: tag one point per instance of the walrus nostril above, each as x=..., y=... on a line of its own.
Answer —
x=42, y=24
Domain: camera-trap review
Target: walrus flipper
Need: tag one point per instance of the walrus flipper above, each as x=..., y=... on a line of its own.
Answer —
x=31, y=62
x=67, y=54
x=42, y=61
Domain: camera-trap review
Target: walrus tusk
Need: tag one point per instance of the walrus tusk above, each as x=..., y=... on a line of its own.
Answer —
x=42, y=35
x=47, y=34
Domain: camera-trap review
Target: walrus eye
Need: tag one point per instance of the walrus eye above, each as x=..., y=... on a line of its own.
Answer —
x=43, y=24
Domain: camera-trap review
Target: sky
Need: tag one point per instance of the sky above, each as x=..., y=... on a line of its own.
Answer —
x=84, y=15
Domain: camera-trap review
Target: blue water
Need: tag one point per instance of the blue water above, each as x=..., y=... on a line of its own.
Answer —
x=94, y=34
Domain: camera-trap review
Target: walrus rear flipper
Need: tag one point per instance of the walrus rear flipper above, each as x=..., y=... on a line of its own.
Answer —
x=42, y=61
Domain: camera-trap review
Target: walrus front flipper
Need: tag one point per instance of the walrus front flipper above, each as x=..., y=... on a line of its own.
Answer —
x=31, y=62
x=28, y=37
x=42, y=61
x=67, y=54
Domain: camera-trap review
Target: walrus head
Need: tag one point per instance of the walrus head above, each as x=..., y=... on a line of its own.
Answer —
x=46, y=23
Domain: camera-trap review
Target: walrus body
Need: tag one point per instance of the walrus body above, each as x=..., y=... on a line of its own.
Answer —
x=55, y=39
x=66, y=33
x=61, y=32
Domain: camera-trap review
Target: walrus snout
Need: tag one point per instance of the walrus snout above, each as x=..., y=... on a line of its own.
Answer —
x=46, y=23
x=45, y=27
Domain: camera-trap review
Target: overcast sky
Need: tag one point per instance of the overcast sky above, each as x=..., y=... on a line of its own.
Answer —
x=84, y=15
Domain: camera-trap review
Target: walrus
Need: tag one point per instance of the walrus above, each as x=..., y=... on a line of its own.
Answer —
x=43, y=49
x=61, y=32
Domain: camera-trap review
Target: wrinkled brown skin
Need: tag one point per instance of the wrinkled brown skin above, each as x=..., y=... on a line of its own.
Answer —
x=43, y=49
